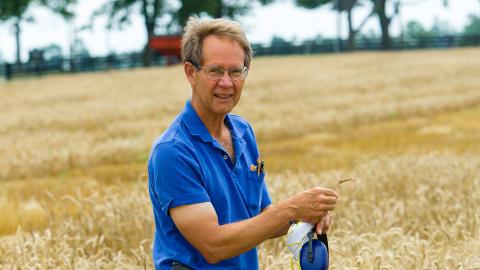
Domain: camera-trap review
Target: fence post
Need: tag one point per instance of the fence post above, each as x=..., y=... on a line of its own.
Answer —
x=8, y=71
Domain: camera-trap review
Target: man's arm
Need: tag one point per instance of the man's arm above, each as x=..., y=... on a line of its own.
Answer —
x=282, y=231
x=322, y=226
x=198, y=223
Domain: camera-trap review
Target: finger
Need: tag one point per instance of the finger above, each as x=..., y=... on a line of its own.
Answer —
x=326, y=191
x=320, y=225
x=327, y=223
x=326, y=208
x=328, y=199
x=321, y=207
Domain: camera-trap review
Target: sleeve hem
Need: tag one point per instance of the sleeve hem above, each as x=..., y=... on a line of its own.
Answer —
x=185, y=200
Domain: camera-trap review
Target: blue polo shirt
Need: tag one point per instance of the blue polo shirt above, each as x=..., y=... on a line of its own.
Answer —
x=187, y=166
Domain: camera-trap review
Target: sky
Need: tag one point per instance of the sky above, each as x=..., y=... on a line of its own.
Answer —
x=281, y=19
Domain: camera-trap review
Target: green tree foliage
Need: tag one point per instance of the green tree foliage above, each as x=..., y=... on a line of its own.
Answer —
x=52, y=52
x=418, y=36
x=214, y=8
x=312, y=4
x=439, y=28
x=79, y=49
x=473, y=25
x=279, y=41
x=415, y=29
x=15, y=12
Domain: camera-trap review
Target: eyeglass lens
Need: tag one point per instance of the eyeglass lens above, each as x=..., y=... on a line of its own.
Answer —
x=236, y=73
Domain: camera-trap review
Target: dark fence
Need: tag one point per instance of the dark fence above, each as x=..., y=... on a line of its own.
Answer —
x=367, y=44
x=127, y=61
x=80, y=64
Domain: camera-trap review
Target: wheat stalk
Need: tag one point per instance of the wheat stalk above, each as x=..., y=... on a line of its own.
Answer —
x=344, y=180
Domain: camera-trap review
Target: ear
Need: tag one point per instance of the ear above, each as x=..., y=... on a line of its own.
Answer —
x=190, y=72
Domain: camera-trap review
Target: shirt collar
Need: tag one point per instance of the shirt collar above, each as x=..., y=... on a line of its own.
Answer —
x=194, y=123
x=197, y=128
x=237, y=128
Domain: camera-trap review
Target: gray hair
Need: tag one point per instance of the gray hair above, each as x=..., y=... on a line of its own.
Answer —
x=197, y=30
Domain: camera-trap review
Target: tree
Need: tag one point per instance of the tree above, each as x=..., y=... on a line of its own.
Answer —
x=15, y=12
x=441, y=28
x=384, y=20
x=213, y=8
x=415, y=29
x=279, y=41
x=52, y=52
x=347, y=6
x=473, y=26
x=79, y=49
x=119, y=12
x=340, y=6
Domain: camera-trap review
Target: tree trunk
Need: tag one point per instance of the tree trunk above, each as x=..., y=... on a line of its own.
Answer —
x=150, y=16
x=384, y=23
x=147, y=51
x=338, y=45
x=351, y=32
x=17, y=40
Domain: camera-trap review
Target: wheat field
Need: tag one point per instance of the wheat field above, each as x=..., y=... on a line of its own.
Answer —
x=404, y=125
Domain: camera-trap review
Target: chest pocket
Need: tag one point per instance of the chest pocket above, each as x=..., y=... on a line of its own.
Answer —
x=253, y=192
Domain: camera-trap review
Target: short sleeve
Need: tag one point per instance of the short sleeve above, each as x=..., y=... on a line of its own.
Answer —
x=175, y=176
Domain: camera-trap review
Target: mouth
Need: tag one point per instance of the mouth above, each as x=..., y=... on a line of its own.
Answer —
x=223, y=97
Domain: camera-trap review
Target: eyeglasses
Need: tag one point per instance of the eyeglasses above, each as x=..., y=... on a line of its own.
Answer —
x=215, y=73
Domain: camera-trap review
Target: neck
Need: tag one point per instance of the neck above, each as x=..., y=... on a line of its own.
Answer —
x=213, y=122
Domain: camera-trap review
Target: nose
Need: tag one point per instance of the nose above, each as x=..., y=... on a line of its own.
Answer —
x=226, y=80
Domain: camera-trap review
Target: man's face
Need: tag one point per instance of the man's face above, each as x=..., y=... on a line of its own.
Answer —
x=216, y=97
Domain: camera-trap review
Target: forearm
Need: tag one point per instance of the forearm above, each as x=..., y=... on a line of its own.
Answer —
x=233, y=239
x=283, y=231
x=198, y=223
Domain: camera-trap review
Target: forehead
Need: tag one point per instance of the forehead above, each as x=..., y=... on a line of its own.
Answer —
x=222, y=51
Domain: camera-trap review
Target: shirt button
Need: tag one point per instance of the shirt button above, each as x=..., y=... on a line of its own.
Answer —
x=225, y=157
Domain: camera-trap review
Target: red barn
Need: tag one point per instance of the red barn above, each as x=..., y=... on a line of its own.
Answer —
x=167, y=46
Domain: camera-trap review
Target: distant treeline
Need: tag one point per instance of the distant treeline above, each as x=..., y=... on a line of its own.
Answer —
x=39, y=66
x=169, y=16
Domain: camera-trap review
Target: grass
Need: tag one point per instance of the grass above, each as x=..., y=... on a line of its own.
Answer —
x=402, y=124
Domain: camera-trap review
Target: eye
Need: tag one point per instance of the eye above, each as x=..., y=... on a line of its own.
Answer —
x=236, y=72
x=215, y=71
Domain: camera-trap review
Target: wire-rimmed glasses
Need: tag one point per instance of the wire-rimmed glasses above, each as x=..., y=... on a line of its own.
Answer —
x=215, y=73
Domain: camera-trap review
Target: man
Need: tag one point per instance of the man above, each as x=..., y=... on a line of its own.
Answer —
x=210, y=201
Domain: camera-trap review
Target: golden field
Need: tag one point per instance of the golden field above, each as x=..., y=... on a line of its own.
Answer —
x=404, y=125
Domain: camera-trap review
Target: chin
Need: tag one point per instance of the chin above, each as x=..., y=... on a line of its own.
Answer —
x=223, y=110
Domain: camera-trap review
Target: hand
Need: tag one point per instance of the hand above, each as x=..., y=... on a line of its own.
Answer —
x=312, y=205
x=323, y=224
